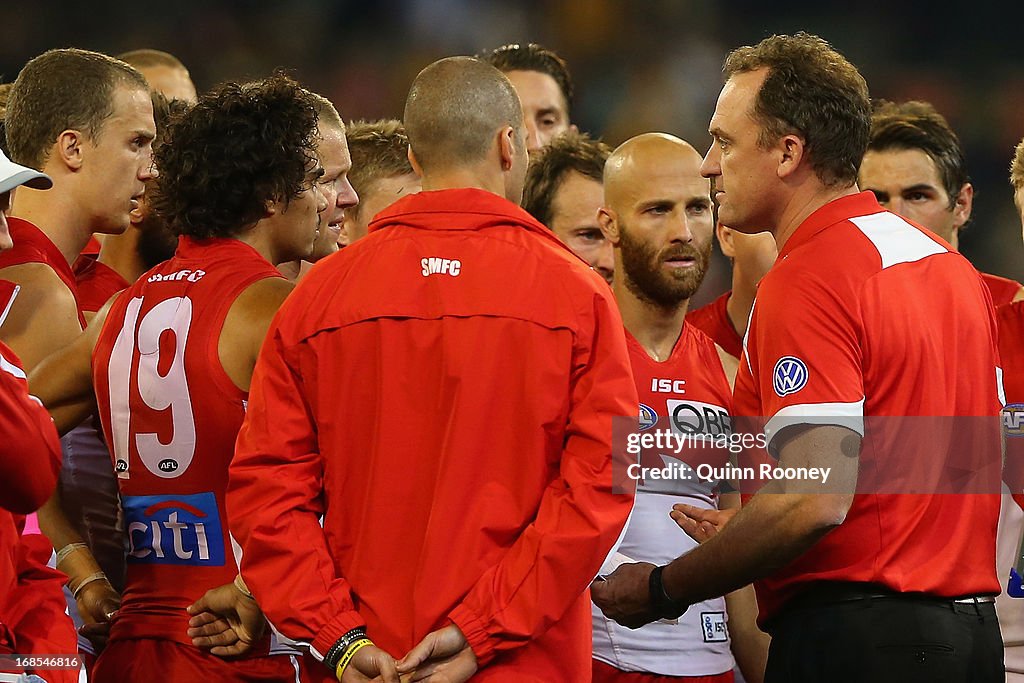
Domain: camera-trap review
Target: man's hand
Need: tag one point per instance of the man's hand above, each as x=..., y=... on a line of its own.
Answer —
x=443, y=656
x=98, y=602
x=225, y=621
x=625, y=595
x=371, y=664
x=698, y=523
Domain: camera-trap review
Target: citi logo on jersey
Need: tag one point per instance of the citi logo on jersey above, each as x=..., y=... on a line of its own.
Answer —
x=789, y=375
x=434, y=265
x=181, y=530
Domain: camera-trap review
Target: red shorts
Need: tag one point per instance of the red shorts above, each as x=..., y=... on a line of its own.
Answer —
x=145, y=660
x=605, y=673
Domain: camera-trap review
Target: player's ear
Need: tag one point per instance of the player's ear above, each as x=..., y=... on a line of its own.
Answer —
x=725, y=240
x=414, y=163
x=962, y=207
x=791, y=151
x=507, y=147
x=68, y=149
x=609, y=224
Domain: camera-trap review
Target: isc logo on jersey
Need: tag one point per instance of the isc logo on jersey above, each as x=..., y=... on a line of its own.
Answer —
x=694, y=417
x=184, y=530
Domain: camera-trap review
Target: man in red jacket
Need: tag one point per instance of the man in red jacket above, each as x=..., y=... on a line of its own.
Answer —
x=455, y=436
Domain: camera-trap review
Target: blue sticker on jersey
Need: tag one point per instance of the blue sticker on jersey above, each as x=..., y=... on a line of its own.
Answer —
x=1014, y=587
x=789, y=376
x=184, y=530
x=648, y=418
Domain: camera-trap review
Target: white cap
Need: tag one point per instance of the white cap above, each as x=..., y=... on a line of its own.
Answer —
x=12, y=175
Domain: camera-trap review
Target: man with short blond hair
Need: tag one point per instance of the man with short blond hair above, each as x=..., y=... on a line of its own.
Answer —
x=86, y=120
x=164, y=72
x=381, y=173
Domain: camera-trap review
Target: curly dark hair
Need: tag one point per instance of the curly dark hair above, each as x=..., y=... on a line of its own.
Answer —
x=815, y=92
x=238, y=147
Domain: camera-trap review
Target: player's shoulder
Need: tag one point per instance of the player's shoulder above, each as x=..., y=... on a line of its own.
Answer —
x=40, y=287
x=1011, y=317
x=261, y=299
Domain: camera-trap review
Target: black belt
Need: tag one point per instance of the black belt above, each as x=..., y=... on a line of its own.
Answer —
x=822, y=593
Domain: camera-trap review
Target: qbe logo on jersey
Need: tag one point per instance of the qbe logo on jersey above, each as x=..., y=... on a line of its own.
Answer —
x=694, y=417
x=174, y=530
x=789, y=376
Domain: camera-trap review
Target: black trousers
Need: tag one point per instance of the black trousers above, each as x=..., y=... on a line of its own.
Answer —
x=906, y=638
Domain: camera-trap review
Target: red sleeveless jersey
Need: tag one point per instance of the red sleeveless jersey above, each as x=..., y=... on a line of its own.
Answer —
x=171, y=414
x=31, y=245
x=713, y=320
x=1002, y=289
x=97, y=282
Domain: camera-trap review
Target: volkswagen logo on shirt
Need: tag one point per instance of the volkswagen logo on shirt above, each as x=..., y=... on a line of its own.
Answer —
x=789, y=376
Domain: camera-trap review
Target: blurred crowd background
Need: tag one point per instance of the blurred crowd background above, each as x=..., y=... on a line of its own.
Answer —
x=638, y=66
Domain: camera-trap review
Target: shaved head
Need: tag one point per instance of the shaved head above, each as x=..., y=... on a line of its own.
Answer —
x=631, y=165
x=455, y=108
x=658, y=215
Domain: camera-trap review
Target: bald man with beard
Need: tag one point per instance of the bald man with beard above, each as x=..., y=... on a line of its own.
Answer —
x=456, y=438
x=658, y=217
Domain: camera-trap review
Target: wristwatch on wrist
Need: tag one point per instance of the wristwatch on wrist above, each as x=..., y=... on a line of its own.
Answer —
x=664, y=606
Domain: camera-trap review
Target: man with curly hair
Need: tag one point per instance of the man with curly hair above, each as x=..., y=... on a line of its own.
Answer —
x=170, y=362
x=456, y=439
x=333, y=152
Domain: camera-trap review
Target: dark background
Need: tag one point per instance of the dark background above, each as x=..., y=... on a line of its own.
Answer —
x=638, y=66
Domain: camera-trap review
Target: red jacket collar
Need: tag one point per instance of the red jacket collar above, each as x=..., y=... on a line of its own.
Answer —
x=836, y=211
x=459, y=209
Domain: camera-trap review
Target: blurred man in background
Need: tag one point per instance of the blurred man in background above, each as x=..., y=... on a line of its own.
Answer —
x=544, y=85
x=917, y=169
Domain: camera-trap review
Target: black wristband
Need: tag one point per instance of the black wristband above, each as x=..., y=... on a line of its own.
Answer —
x=334, y=655
x=664, y=606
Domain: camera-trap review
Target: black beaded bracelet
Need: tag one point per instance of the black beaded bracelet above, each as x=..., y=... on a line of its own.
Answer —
x=334, y=655
x=664, y=606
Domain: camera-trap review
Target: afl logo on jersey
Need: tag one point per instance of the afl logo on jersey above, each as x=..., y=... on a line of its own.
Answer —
x=1013, y=419
x=648, y=418
x=789, y=376
x=168, y=465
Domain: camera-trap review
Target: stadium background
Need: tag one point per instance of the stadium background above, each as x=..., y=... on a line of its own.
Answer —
x=638, y=66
